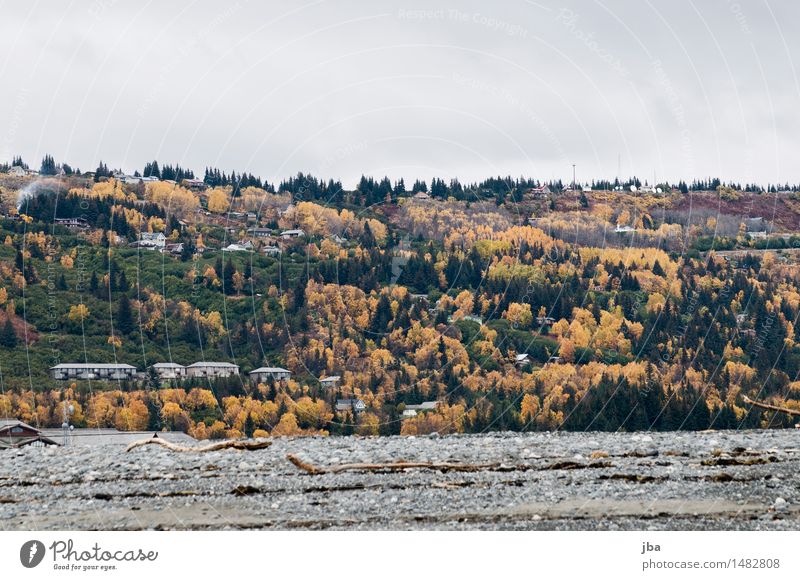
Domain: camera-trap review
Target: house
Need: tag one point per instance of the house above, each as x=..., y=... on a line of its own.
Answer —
x=194, y=184
x=271, y=250
x=355, y=405
x=239, y=247
x=545, y=320
x=522, y=360
x=338, y=240
x=17, y=171
x=624, y=229
x=152, y=240
x=757, y=227
x=149, y=179
x=131, y=180
x=174, y=249
x=169, y=371
x=87, y=371
x=264, y=374
x=554, y=359
x=15, y=433
x=330, y=382
x=541, y=191
x=259, y=232
x=408, y=413
x=290, y=234
x=421, y=196
x=212, y=369
x=76, y=223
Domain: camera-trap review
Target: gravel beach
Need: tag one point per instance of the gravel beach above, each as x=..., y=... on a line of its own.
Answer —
x=555, y=481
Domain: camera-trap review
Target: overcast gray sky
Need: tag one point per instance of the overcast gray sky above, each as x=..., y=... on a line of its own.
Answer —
x=675, y=88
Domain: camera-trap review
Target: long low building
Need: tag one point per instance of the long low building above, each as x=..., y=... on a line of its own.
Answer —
x=212, y=369
x=169, y=370
x=263, y=374
x=86, y=371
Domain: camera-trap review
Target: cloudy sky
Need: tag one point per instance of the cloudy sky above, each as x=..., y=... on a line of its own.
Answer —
x=677, y=89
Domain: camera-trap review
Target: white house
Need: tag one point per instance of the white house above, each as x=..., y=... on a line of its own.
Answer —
x=239, y=247
x=17, y=171
x=290, y=234
x=522, y=360
x=263, y=374
x=212, y=369
x=624, y=229
x=168, y=370
x=271, y=250
x=330, y=382
x=152, y=240
x=99, y=371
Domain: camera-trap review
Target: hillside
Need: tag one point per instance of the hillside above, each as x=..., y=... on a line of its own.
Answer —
x=514, y=309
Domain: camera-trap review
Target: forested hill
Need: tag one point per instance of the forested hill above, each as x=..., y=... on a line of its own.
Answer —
x=512, y=304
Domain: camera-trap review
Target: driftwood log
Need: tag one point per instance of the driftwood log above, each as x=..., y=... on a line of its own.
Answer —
x=750, y=401
x=398, y=466
x=241, y=445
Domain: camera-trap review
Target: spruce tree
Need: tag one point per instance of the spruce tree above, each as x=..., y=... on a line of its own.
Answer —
x=8, y=338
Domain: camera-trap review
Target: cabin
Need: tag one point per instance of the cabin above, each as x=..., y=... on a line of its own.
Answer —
x=169, y=371
x=15, y=434
x=212, y=369
x=330, y=382
x=271, y=251
x=421, y=196
x=545, y=320
x=354, y=405
x=264, y=374
x=17, y=171
x=541, y=191
x=522, y=360
x=88, y=371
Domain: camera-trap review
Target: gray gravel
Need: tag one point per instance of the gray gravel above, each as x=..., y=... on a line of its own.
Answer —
x=671, y=481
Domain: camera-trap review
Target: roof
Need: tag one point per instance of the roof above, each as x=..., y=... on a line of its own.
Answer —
x=291, y=232
x=268, y=370
x=212, y=364
x=15, y=422
x=521, y=357
x=98, y=437
x=92, y=366
x=167, y=365
x=330, y=379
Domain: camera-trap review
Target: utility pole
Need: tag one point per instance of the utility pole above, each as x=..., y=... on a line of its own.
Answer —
x=573, y=177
